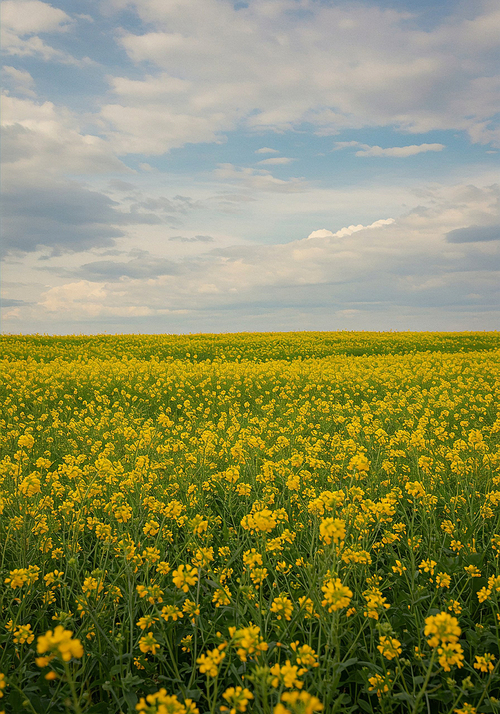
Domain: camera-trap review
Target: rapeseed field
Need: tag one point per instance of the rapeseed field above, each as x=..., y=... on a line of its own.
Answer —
x=273, y=523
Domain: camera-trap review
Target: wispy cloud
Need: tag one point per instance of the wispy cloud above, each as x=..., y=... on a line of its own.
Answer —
x=258, y=179
x=192, y=239
x=394, y=151
x=277, y=161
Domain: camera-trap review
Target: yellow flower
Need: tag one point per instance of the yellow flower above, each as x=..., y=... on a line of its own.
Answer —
x=149, y=644
x=286, y=676
x=306, y=605
x=484, y=663
x=375, y=603
x=237, y=698
x=379, y=684
x=263, y=521
x=248, y=641
x=336, y=595
x=151, y=528
x=23, y=634
x=282, y=606
x=483, y=594
x=427, y=566
x=26, y=441
x=221, y=597
x=147, y=621
x=163, y=703
x=258, y=575
x=466, y=709
x=359, y=463
x=210, y=662
x=22, y=576
x=191, y=609
x=472, y=571
x=454, y=606
x=450, y=654
x=443, y=580
x=442, y=628
x=54, y=577
x=399, y=568
x=58, y=643
x=3, y=683
x=203, y=557
x=298, y=703
x=171, y=612
x=305, y=655
x=198, y=525
x=30, y=485
x=163, y=567
x=153, y=593
x=184, y=577
x=332, y=530
x=389, y=647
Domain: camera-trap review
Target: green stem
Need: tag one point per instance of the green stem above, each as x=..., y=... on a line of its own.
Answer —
x=76, y=704
x=424, y=685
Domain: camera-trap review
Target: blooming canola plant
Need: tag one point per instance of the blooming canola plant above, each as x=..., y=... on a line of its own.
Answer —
x=284, y=524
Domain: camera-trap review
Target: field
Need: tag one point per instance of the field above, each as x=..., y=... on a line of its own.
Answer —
x=271, y=523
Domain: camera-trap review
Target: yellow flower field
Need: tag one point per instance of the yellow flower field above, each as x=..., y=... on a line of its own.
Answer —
x=281, y=523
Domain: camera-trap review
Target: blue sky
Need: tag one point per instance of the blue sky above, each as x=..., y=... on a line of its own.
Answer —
x=177, y=166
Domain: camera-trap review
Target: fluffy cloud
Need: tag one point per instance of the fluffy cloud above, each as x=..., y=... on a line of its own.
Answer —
x=24, y=20
x=349, y=230
x=39, y=137
x=274, y=65
x=29, y=17
x=89, y=299
x=42, y=145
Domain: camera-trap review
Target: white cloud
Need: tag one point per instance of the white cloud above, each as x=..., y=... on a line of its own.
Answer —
x=258, y=179
x=394, y=151
x=399, y=151
x=333, y=66
x=65, y=297
x=41, y=137
x=277, y=161
x=267, y=150
x=24, y=20
x=155, y=129
x=321, y=233
x=349, y=230
x=20, y=79
x=29, y=17
x=91, y=300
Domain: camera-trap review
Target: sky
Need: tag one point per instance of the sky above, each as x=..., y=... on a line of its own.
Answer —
x=184, y=166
